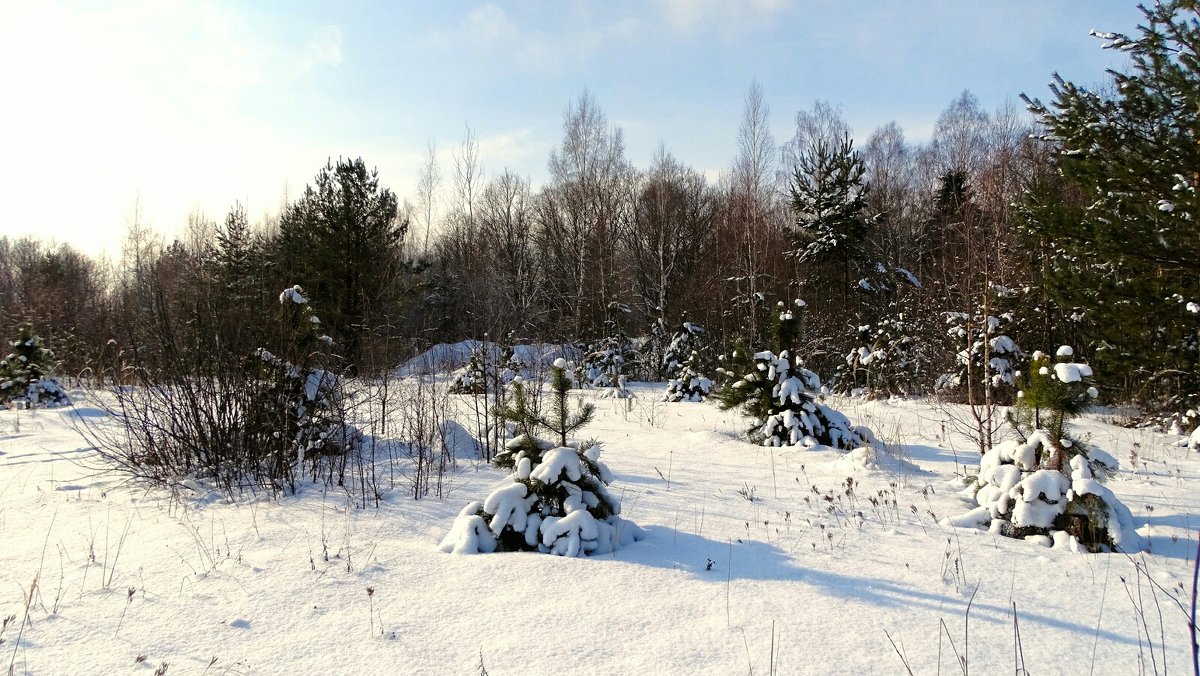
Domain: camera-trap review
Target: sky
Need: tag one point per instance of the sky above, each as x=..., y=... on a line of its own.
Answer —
x=157, y=109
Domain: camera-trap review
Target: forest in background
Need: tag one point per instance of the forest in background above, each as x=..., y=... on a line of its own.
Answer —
x=1072, y=224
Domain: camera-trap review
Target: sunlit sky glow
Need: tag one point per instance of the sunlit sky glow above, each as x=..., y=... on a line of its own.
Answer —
x=179, y=106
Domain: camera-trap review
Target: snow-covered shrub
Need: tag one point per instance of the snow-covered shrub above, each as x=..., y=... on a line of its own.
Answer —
x=887, y=360
x=1045, y=481
x=683, y=347
x=782, y=398
x=556, y=498
x=25, y=374
x=985, y=356
x=689, y=384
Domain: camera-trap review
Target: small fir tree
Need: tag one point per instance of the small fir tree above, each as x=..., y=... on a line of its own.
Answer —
x=1047, y=484
x=556, y=498
x=684, y=343
x=689, y=383
x=26, y=374
x=780, y=395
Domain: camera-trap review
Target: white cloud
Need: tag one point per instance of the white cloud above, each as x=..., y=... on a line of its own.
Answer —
x=726, y=17
x=507, y=147
x=325, y=47
x=492, y=29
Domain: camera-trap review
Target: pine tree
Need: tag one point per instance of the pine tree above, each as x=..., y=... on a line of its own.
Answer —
x=556, y=500
x=1121, y=231
x=1047, y=483
x=343, y=236
x=26, y=373
x=828, y=197
x=780, y=395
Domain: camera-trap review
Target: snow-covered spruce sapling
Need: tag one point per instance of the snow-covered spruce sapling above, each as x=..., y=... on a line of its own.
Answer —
x=556, y=498
x=472, y=378
x=781, y=396
x=26, y=374
x=605, y=361
x=684, y=343
x=689, y=383
x=985, y=356
x=887, y=361
x=1046, y=484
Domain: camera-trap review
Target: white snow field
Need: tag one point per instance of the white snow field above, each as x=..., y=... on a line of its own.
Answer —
x=756, y=560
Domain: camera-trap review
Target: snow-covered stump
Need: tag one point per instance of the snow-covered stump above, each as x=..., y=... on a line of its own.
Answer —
x=555, y=501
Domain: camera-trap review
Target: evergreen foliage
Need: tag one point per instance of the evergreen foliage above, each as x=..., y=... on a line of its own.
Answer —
x=556, y=498
x=889, y=360
x=1047, y=482
x=605, y=363
x=780, y=395
x=829, y=201
x=690, y=383
x=1052, y=393
x=26, y=374
x=301, y=384
x=684, y=343
x=343, y=235
x=985, y=357
x=1123, y=253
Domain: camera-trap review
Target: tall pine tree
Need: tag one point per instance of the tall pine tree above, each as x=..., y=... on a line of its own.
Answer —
x=1126, y=253
x=343, y=237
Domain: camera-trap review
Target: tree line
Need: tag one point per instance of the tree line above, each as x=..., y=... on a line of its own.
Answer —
x=921, y=266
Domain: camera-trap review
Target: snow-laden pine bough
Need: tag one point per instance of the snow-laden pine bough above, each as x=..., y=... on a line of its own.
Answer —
x=1046, y=486
x=555, y=499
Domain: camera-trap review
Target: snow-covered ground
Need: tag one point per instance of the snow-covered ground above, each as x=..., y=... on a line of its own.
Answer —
x=749, y=550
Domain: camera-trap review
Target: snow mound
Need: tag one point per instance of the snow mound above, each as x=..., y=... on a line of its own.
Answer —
x=872, y=459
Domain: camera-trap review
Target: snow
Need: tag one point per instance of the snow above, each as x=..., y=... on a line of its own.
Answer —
x=555, y=463
x=1039, y=498
x=1072, y=373
x=281, y=586
x=293, y=294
